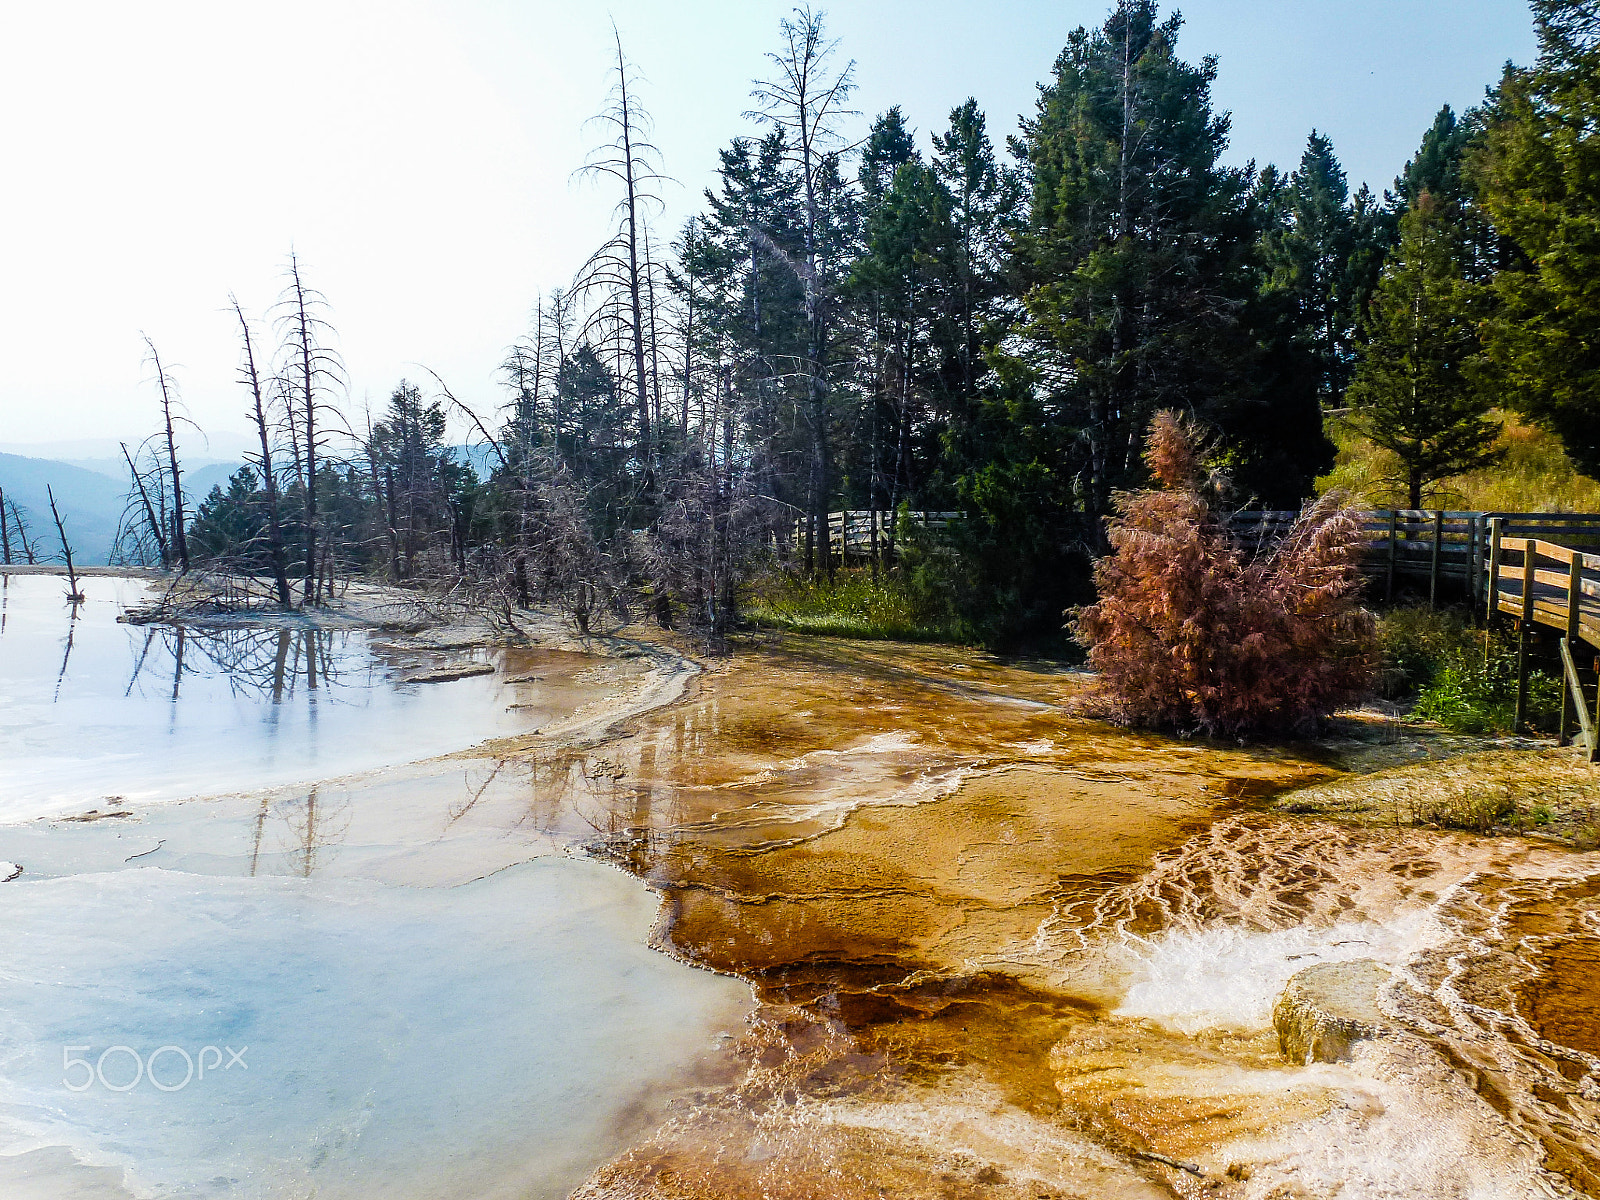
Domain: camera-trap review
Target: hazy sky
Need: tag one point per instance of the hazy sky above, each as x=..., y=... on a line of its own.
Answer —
x=418, y=154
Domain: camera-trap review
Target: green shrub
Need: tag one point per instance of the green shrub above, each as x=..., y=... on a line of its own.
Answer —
x=1475, y=690
x=1416, y=644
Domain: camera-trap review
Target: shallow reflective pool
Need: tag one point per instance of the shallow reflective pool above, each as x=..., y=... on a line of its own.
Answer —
x=92, y=710
x=498, y=1038
x=393, y=985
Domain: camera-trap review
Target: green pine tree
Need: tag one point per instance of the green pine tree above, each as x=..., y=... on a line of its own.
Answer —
x=1537, y=170
x=1141, y=255
x=1308, y=257
x=1413, y=391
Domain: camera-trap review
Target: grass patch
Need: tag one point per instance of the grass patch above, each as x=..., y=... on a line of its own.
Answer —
x=1476, y=692
x=1416, y=643
x=851, y=606
x=1550, y=792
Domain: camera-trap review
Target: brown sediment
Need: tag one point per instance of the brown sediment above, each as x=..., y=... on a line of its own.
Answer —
x=936, y=881
x=941, y=886
x=1512, y=1003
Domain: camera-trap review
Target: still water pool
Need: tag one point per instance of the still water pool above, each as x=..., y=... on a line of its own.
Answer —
x=92, y=710
x=419, y=995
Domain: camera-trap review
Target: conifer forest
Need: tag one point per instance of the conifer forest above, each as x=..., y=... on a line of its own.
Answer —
x=862, y=316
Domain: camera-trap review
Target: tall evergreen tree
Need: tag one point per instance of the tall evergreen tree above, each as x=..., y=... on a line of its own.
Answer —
x=880, y=295
x=905, y=260
x=1538, y=174
x=1436, y=168
x=806, y=99
x=1308, y=256
x=983, y=199
x=415, y=475
x=888, y=147
x=1140, y=256
x=754, y=313
x=229, y=527
x=1413, y=392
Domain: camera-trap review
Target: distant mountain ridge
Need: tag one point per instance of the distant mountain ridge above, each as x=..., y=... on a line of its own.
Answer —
x=90, y=503
x=92, y=493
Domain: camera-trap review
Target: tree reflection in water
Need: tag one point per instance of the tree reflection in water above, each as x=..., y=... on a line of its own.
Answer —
x=256, y=662
x=295, y=835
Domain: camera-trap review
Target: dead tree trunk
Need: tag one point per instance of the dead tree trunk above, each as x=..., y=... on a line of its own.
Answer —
x=619, y=268
x=308, y=397
x=21, y=526
x=73, y=593
x=149, y=509
x=635, y=292
x=806, y=103
x=275, y=547
x=180, y=537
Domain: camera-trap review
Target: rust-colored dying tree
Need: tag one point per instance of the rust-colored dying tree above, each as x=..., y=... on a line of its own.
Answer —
x=1193, y=633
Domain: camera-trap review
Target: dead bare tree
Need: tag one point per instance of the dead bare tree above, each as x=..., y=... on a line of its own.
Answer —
x=20, y=522
x=614, y=279
x=5, y=529
x=155, y=524
x=145, y=526
x=73, y=594
x=251, y=377
x=311, y=370
x=806, y=100
x=169, y=418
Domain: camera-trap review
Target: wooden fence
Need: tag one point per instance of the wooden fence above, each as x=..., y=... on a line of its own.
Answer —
x=861, y=535
x=1540, y=569
x=1435, y=546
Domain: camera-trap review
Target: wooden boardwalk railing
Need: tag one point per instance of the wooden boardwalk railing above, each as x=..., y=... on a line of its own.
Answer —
x=1540, y=569
x=1545, y=583
x=864, y=534
x=1438, y=546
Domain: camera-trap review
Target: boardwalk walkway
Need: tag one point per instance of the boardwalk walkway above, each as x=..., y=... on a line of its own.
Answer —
x=1540, y=569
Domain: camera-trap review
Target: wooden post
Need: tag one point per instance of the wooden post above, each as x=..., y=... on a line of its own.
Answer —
x=1574, y=595
x=1574, y=609
x=1524, y=629
x=1492, y=584
x=1433, y=566
x=1394, y=534
x=1594, y=725
x=1572, y=694
x=1568, y=675
x=1472, y=564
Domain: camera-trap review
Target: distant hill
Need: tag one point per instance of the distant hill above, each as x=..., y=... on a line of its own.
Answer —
x=91, y=494
x=90, y=504
x=197, y=483
x=105, y=454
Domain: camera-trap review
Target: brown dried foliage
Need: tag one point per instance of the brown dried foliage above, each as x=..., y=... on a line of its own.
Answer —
x=1191, y=633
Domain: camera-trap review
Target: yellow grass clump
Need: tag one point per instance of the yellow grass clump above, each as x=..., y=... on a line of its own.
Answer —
x=1534, y=476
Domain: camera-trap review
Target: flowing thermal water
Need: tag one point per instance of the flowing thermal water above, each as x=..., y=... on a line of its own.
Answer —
x=995, y=951
x=1001, y=953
